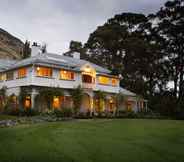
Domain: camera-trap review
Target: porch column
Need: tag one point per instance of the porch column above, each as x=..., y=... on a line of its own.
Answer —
x=33, y=95
x=146, y=105
x=91, y=105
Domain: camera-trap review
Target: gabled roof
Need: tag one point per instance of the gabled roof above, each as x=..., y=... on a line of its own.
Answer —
x=54, y=60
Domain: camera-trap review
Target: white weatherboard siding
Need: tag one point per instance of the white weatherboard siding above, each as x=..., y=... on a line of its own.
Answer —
x=81, y=68
x=55, y=81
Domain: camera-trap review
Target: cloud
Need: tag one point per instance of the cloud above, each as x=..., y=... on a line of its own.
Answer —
x=56, y=22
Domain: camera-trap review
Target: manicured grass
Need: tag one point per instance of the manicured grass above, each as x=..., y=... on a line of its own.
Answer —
x=94, y=140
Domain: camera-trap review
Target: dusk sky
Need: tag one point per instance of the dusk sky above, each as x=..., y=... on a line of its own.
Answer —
x=57, y=22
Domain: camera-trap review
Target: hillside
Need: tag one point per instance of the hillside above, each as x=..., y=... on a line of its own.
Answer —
x=10, y=46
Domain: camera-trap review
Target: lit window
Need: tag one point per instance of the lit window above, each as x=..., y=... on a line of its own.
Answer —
x=66, y=75
x=103, y=80
x=44, y=72
x=9, y=75
x=2, y=77
x=22, y=72
x=56, y=102
x=114, y=82
x=27, y=103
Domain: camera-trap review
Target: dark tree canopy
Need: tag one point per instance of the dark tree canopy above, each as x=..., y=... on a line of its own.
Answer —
x=148, y=51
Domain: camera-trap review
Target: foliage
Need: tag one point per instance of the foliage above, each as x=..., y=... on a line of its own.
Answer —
x=165, y=104
x=77, y=95
x=100, y=97
x=63, y=112
x=12, y=106
x=146, y=50
x=170, y=29
x=28, y=112
x=75, y=46
x=47, y=94
x=120, y=98
x=22, y=97
x=3, y=98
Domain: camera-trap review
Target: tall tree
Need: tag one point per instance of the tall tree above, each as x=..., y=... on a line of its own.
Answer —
x=170, y=20
x=75, y=46
x=125, y=44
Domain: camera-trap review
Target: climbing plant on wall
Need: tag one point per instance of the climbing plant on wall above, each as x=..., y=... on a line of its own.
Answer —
x=100, y=97
x=3, y=98
x=77, y=95
x=47, y=94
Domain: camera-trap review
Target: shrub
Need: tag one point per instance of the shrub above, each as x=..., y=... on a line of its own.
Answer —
x=29, y=112
x=63, y=112
x=84, y=115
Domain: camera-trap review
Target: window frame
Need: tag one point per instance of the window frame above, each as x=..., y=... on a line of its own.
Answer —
x=108, y=84
x=9, y=72
x=24, y=76
x=116, y=80
x=2, y=77
x=67, y=79
x=44, y=76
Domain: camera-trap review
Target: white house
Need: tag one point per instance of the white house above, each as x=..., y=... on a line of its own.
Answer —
x=53, y=70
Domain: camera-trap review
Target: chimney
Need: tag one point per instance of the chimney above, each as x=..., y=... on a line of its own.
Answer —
x=35, y=49
x=76, y=55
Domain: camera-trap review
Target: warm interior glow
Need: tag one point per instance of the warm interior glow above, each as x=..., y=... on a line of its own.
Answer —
x=22, y=73
x=87, y=69
x=114, y=82
x=66, y=75
x=103, y=80
x=56, y=102
x=2, y=77
x=27, y=103
x=44, y=71
x=129, y=105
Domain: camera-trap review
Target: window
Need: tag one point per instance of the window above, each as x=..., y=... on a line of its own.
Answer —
x=103, y=80
x=2, y=77
x=114, y=82
x=27, y=102
x=87, y=79
x=22, y=72
x=66, y=75
x=9, y=75
x=44, y=72
x=56, y=102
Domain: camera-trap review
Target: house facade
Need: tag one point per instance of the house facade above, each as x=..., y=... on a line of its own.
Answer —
x=43, y=70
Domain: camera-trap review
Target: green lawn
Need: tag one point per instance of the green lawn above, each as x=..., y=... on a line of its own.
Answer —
x=94, y=140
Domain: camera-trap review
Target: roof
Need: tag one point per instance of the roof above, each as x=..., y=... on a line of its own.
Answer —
x=5, y=64
x=53, y=60
x=127, y=92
